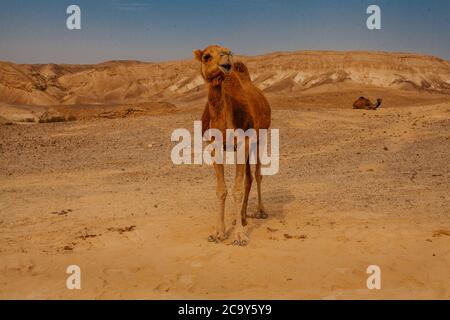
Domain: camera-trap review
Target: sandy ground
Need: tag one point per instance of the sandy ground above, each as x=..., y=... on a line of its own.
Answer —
x=355, y=188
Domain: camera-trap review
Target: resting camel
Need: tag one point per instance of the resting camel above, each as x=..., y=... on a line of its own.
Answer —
x=234, y=102
x=366, y=104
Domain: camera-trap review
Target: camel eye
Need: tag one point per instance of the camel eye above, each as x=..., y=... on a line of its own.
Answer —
x=206, y=57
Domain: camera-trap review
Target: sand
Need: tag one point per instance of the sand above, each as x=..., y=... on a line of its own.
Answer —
x=355, y=188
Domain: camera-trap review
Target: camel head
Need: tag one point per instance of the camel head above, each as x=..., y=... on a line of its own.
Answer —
x=217, y=63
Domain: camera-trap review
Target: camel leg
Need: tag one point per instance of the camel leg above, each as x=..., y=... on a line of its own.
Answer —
x=260, y=212
x=221, y=192
x=248, y=187
x=239, y=236
x=206, y=119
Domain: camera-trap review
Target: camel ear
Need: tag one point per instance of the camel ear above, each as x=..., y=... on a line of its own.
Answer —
x=198, y=54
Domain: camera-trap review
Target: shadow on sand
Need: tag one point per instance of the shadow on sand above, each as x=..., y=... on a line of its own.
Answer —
x=275, y=203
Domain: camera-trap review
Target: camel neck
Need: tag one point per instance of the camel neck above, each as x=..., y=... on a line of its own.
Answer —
x=228, y=86
x=215, y=96
x=219, y=95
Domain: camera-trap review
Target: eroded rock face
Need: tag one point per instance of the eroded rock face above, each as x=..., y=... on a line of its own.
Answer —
x=278, y=73
x=39, y=82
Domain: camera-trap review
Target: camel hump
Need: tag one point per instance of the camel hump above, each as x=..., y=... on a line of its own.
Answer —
x=242, y=70
x=360, y=103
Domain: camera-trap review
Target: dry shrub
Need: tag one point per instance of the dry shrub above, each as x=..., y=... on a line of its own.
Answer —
x=29, y=120
x=53, y=119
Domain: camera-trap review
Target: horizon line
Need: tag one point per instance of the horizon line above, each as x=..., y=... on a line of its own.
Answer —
x=411, y=53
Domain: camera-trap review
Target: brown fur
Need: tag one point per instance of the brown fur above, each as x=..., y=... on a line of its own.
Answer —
x=366, y=104
x=234, y=102
x=241, y=69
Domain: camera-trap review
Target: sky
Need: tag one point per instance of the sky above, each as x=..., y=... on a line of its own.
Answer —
x=34, y=31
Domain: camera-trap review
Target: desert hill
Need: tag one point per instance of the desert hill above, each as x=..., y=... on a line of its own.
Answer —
x=281, y=73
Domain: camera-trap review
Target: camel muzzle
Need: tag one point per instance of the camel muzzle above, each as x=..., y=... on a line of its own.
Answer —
x=226, y=68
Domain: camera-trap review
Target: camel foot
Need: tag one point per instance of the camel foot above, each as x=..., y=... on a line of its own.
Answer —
x=261, y=214
x=240, y=239
x=217, y=237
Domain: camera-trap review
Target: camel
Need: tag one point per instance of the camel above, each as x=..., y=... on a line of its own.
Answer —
x=234, y=102
x=366, y=104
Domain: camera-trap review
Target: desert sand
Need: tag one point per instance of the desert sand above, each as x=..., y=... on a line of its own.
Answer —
x=355, y=188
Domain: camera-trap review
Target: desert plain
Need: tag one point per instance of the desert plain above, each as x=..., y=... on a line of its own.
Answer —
x=355, y=188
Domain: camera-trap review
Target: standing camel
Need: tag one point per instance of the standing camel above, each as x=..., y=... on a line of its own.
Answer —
x=234, y=102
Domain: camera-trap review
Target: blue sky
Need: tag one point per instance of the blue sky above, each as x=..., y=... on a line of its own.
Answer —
x=34, y=31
